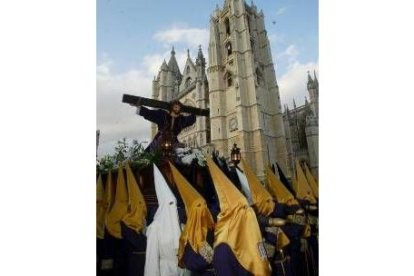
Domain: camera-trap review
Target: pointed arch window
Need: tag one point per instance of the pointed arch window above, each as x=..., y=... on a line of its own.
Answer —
x=248, y=23
x=188, y=82
x=188, y=69
x=229, y=79
x=227, y=26
x=229, y=49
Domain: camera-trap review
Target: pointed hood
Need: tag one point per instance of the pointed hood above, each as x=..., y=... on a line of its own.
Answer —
x=279, y=191
x=228, y=195
x=163, y=233
x=284, y=180
x=166, y=216
x=312, y=182
x=237, y=225
x=302, y=188
x=199, y=218
x=120, y=206
x=137, y=209
x=244, y=183
x=261, y=197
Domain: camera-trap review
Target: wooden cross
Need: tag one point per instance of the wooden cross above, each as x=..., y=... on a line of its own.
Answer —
x=131, y=99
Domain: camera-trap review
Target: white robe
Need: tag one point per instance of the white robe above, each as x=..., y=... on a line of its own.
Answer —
x=163, y=234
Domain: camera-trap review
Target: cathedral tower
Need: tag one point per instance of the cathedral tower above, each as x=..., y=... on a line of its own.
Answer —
x=243, y=92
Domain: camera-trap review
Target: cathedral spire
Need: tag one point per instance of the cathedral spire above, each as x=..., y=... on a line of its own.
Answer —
x=164, y=66
x=294, y=104
x=286, y=110
x=310, y=83
x=173, y=66
x=200, y=57
x=315, y=80
x=309, y=78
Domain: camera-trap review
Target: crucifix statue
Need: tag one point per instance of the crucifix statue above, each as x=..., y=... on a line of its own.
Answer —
x=168, y=117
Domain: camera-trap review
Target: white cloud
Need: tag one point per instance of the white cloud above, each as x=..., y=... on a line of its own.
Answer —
x=115, y=119
x=291, y=53
x=281, y=11
x=189, y=36
x=276, y=38
x=292, y=84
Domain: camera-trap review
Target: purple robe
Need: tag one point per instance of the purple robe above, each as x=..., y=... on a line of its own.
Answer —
x=225, y=263
x=164, y=123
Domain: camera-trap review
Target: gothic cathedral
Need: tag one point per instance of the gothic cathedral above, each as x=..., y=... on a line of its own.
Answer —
x=239, y=87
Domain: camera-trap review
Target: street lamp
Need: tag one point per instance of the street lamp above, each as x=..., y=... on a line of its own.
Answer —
x=235, y=155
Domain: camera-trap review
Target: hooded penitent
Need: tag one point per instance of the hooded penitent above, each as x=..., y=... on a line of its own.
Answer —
x=312, y=182
x=260, y=196
x=104, y=198
x=301, y=186
x=237, y=225
x=137, y=210
x=278, y=190
x=100, y=211
x=199, y=218
x=163, y=233
x=262, y=199
x=119, y=207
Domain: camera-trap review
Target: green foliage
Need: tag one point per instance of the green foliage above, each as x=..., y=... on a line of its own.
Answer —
x=134, y=153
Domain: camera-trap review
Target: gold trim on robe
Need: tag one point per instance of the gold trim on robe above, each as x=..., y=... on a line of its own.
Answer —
x=237, y=225
x=199, y=218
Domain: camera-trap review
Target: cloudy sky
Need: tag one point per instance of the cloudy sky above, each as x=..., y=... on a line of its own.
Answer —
x=135, y=36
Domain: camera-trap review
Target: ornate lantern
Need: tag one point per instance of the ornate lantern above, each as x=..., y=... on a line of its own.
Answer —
x=235, y=155
x=166, y=144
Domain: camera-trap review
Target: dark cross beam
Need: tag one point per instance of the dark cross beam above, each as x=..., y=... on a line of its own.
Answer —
x=131, y=99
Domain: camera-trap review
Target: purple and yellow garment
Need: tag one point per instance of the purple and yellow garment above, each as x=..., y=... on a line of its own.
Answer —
x=199, y=222
x=166, y=124
x=275, y=238
x=236, y=229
